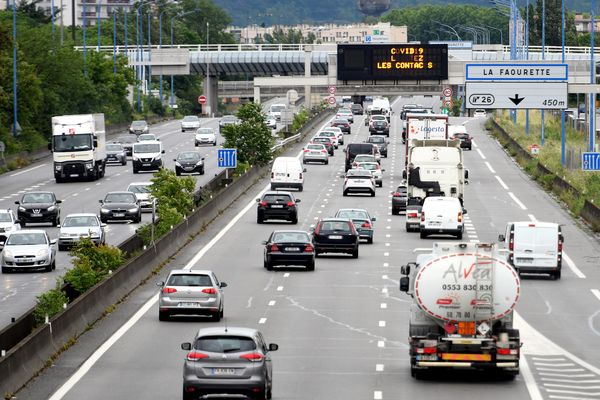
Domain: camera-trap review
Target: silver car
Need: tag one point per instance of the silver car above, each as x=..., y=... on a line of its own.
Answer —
x=76, y=226
x=28, y=249
x=8, y=224
x=228, y=362
x=315, y=152
x=191, y=292
x=142, y=193
x=190, y=122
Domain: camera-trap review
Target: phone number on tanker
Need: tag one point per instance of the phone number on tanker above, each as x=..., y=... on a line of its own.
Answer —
x=466, y=287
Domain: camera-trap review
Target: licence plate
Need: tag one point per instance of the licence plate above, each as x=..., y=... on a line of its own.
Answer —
x=119, y=214
x=525, y=260
x=337, y=237
x=73, y=175
x=36, y=215
x=223, y=371
x=427, y=358
x=359, y=181
x=25, y=260
x=276, y=205
x=292, y=249
x=435, y=223
x=314, y=153
x=146, y=165
x=184, y=304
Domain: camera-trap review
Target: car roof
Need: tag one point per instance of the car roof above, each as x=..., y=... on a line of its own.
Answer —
x=532, y=224
x=335, y=219
x=119, y=192
x=140, y=183
x=28, y=231
x=352, y=209
x=226, y=330
x=289, y=231
x=38, y=192
x=82, y=215
x=278, y=192
x=191, y=271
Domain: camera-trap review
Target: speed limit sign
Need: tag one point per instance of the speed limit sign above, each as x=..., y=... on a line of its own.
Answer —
x=448, y=103
x=447, y=92
x=331, y=89
x=331, y=100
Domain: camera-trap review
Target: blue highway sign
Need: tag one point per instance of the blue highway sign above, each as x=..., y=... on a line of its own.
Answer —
x=590, y=161
x=227, y=158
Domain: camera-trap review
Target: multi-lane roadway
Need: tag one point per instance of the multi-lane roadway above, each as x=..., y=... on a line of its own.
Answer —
x=342, y=329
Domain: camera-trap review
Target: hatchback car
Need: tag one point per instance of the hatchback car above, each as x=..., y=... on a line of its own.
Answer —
x=8, y=223
x=150, y=137
x=315, y=152
x=465, y=140
x=138, y=127
x=289, y=248
x=380, y=142
x=335, y=235
x=331, y=135
x=189, y=162
x=191, y=292
x=190, y=123
x=277, y=205
x=480, y=113
x=38, y=207
x=361, y=158
x=326, y=142
x=363, y=222
x=345, y=113
x=358, y=181
x=205, y=136
x=379, y=127
x=376, y=117
x=337, y=131
x=120, y=206
x=375, y=169
x=28, y=249
x=343, y=124
x=142, y=192
x=357, y=109
x=228, y=361
x=116, y=153
x=77, y=226
x=399, y=199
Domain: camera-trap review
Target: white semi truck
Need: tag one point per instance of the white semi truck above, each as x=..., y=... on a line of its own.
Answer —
x=78, y=146
x=424, y=126
x=461, y=317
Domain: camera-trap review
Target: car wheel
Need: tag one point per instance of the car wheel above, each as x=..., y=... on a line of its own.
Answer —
x=424, y=235
x=301, y=188
x=373, y=193
x=268, y=266
x=259, y=219
x=124, y=162
x=459, y=236
x=326, y=162
x=556, y=275
x=163, y=315
x=135, y=171
x=62, y=247
x=48, y=268
x=380, y=184
x=139, y=218
x=221, y=313
x=408, y=228
x=311, y=266
x=215, y=143
x=395, y=212
x=303, y=161
x=177, y=173
x=216, y=317
x=355, y=252
x=294, y=220
x=370, y=240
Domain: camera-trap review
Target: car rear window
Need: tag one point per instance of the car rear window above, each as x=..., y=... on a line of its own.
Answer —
x=273, y=198
x=352, y=214
x=315, y=147
x=291, y=237
x=335, y=226
x=225, y=344
x=189, y=280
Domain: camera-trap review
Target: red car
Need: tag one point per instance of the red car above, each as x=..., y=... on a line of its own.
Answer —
x=343, y=124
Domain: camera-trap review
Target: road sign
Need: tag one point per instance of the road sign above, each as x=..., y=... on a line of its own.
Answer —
x=202, y=99
x=331, y=100
x=447, y=92
x=287, y=116
x=517, y=95
x=590, y=161
x=448, y=103
x=517, y=72
x=227, y=158
x=331, y=89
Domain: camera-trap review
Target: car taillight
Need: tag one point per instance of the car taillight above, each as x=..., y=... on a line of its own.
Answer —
x=323, y=151
x=209, y=291
x=511, y=244
x=168, y=290
x=274, y=247
x=366, y=224
x=195, y=356
x=396, y=194
x=422, y=217
x=262, y=203
x=290, y=203
x=306, y=150
x=254, y=357
x=460, y=216
x=411, y=215
x=272, y=175
x=560, y=245
x=309, y=248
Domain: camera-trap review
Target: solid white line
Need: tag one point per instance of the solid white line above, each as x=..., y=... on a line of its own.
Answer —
x=547, y=364
x=272, y=303
x=262, y=320
x=379, y=367
x=562, y=369
x=382, y=324
x=558, y=385
x=572, y=380
x=511, y=194
x=574, y=392
x=569, y=397
x=27, y=170
x=474, y=144
x=377, y=395
x=279, y=288
x=501, y=182
x=572, y=266
x=490, y=167
x=532, y=387
x=568, y=375
x=480, y=153
x=596, y=293
x=549, y=359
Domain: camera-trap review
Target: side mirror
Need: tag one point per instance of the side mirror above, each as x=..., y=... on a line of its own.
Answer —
x=405, y=269
x=264, y=242
x=312, y=228
x=303, y=169
x=100, y=201
x=186, y=346
x=160, y=284
x=258, y=200
x=273, y=347
x=464, y=210
x=103, y=225
x=18, y=221
x=202, y=158
x=501, y=238
x=95, y=143
x=58, y=226
x=17, y=202
x=162, y=152
x=374, y=219
x=222, y=284
x=298, y=200
x=404, y=284
x=53, y=242
x=175, y=159
x=58, y=201
x=466, y=174
x=49, y=146
x=382, y=170
x=404, y=174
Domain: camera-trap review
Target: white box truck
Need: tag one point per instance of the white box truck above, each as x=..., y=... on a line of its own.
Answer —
x=78, y=146
x=422, y=126
x=461, y=316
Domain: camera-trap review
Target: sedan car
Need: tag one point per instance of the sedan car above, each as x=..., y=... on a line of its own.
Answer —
x=337, y=131
x=375, y=117
x=379, y=127
x=147, y=137
x=327, y=142
x=142, y=192
x=465, y=140
x=127, y=144
x=28, y=249
x=399, y=199
x=335, y=235
x=189, y=162
x=343, y=124
x=38, y=207
x=116, y=153
x=315, y=152
x=228, y=120
x=120, y=206
x=375, y=170
x=361, y=219
x=138, y=127
x=289, y=248
x=331, y=135
x=190, y=123
x=8, y=223
x=77, y=226
x=359, y=181
x=345, y=113
x=360, y=158
x=277, y=205
x=380, y=142
x=205, y=136
x=357, y=109
x=229, y=360
x=191, y=292
x=480, y=113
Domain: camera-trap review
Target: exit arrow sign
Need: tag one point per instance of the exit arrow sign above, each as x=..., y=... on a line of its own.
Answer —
x=516, y=100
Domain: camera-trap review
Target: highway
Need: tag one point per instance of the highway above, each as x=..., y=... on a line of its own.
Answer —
x=342, y=329
x=18, y=290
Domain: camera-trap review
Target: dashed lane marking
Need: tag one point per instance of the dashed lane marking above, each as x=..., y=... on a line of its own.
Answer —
x=481, y=154
x=262, y=320
x=379, y=367
x=272, y=303
x=487, y=164
x=501, y=182
x=516, y=200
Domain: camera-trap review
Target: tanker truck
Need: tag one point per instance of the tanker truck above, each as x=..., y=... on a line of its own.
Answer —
x=461, y=316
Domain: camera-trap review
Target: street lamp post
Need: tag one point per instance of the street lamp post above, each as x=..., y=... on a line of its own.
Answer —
x=563, y=134
x=139, y=33
x=98, y=12
x=114, y=41
x=52, y=16
x=15, y=68
x=527, y=57
x=543, y=133
x=172, y=99
x=451, y=28
x=208, y=110
x=84, y=38
x=499, y=30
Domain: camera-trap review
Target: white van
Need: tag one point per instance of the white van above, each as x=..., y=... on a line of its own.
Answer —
x=147, y=156
x=534, y=247
x=276, y=109
x=442, y=215
x=287, y=172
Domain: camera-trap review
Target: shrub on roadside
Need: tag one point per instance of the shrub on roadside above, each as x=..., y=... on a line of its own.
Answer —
x=49, y=304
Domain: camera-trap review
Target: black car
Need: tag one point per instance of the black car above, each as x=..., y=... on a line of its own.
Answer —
x=357, y=109
x=277, y=205
x=343, y=124
x=38, y=207
x=335, y=235
x=325, y=141
x=289, y=248
x=115, y=152
x=120, y=206
x=381, y=142
x=379, y=127
x=399, y=198
x=189, y=162
x=465, y=140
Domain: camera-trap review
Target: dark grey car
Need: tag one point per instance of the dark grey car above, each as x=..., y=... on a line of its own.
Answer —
x=115, y=152
x=381, y=142
x=121, y=206
x=227, y=361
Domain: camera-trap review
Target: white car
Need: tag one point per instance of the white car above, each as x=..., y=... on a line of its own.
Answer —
x=480, y=113
x=28, y=249
x=360, y=158
x=359, y=181
x=271, y=121
x=337, y=131
x=330, y=135
x=142, y=193
x=375, y=169
x=205, y=136
x=147, y=137
x=376, y=117
x=190, y=122
x=315, y=152
x=8, y=224
x=76, y=226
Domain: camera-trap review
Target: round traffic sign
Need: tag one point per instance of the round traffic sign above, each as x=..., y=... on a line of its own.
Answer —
x=202, y=99
x=331, y=89
x=448, y=103
x=331, y=100
x=447, y=92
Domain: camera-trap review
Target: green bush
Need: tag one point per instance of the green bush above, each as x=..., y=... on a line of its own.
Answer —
x=300, y=119
x=168, y=217
x=49, y=304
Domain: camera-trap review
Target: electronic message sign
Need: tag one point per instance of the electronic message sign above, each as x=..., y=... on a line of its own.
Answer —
x=392, y=62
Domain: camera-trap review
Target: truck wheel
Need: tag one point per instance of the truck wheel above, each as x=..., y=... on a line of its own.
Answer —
x=58, y=179
x=556, y=275
x=423, y=235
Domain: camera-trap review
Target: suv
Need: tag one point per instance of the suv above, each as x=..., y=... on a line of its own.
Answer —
x=190, y=122
x=465, y=140
x=379, y=127
x=335, y=235
x=357, y=109
x=115, y=152
x=38, y=207
x=359, y=181
x=138, y=127
x=8, y=224
x=381, y=143
x=277, y=205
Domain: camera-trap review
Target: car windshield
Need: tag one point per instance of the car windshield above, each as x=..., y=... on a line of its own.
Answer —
x=147, y=148
x=379, y=118
x=86, y=220
x=139, y=188
x=26, y=239
x=374, y=139
x=37, y=198
x=335, y=226
x=192, y=155
x=272, y=198
x=204, y=131
x=229, y=118
x=146, y=137
x=401, y=189
x=225, y=344
x=321, y=140
x=315, y=147
x=114, y=147
x=327, y=134
x=352, y=214
x=72, y=143
x=291, y=237
x=5, y=217
x=190, y=118
x=138, y=124
x=120, y=198
x=340, y=121
x=368, y=166
x=277, y=108
x=362, y=158
x=189, y=280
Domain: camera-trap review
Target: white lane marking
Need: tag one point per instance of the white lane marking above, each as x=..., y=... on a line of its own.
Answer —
x=480, y=153
x=279, y=288
x=501, y=182
x=516, y=200
x=532, y=217
x=377, y=395
x=490, y=167
x=558, y=385
x=272, y=303
x=562, y=369
x=474, y=144
x=382, y=324
x=554, y=364
x=573, y=392
x=596, y=293
x=532, y=387
x=379, y=367
x=249, y=302
x=387, y=244
x=386, y=254
x=380, y=343
x=286, y=275
x=386, y=264
x=572, y=266
x=262, y=320
x=384, y=290
x=27, y=170
x=384, y=277
x=383, y=305
x=569, y=375
x=572, y=380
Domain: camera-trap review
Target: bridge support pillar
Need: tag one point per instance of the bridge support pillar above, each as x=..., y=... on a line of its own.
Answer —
x=307, y=73
x=211, y=91
x=257, y=94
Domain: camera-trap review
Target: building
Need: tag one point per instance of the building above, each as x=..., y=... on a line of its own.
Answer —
x=583, y=23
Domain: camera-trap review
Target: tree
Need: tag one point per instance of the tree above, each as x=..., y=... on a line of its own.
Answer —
x=252, y=138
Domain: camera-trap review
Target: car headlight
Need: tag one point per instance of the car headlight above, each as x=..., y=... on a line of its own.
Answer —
x=89, y=165
x=104, y=210
x=157, y=157
x=42, y=253
x=58, y=167
x=7, y=254
x=21, y=208
x=200, y=163
x=177, y=163
x=51, y=208
x=135, y=159
x=133, y=209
